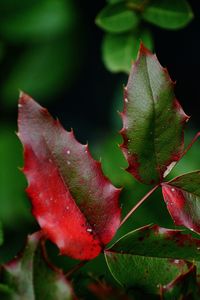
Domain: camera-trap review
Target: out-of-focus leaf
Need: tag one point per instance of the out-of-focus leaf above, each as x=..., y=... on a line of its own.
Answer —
x=43, y=20
x=169, y=14
x=14, y=208
x=74, y=203
x=29, y=276
x=184, y=286
x=149, y=105
x=182, y=197
x=117, y=18
x=150, y=257
x=42, y=70
x=120, y=50
x=1, y=235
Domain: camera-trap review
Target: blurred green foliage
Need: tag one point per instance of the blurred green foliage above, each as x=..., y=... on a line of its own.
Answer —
x=126, y=24
x=43, y=33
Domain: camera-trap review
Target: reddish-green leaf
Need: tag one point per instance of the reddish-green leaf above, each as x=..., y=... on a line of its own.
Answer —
x=182, y=197
x=30, y=277
x=151, y=257
x=75, y=205
x=151, y=146
x=183, y=287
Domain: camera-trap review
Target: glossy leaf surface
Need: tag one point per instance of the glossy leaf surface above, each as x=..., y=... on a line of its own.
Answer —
x=182, y=197
x=117, y=18
x=74, y=203
x=150, y=257
x=149, y=106
x=169, y=14
x=120, y=50
x=29, y=276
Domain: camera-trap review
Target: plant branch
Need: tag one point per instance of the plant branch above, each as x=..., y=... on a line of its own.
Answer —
x=138, y=204
x=75, y=268
x=191, y=143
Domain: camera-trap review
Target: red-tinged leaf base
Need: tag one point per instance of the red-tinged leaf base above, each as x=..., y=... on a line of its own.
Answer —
x=75, y=205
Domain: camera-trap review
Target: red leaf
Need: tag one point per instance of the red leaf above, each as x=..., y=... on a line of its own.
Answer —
x=182, y=197
x=74, y=204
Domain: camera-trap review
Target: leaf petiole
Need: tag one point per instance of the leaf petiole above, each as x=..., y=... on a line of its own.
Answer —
x=191, y=144
x=138, y=204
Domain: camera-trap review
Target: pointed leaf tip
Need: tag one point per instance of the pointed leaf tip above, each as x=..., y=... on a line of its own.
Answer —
x=151, y=118
x=74, y=203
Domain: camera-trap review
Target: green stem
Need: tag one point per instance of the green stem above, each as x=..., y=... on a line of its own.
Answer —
x=138, y=204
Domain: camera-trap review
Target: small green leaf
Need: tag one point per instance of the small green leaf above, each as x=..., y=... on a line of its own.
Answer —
x=29, y=277
x=150, y=257
x=120, y=50
x=169, y=14
x=117, y=18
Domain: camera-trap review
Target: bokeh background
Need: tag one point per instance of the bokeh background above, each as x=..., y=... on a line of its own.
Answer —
x=52, y=50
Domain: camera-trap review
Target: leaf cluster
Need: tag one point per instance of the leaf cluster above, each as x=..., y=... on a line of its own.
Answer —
x=77, y=207
x=125, y=23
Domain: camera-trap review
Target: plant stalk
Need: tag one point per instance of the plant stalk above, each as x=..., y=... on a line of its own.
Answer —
x=191, y=143
x=138, y=204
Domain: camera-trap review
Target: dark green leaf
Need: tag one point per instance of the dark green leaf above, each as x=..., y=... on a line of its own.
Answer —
x=184, y=286
x=151, y=256
x=117, y=18
x=149, y=106
x=169, y=14
x=120, y=50
x=30, y=277
x=182, y=197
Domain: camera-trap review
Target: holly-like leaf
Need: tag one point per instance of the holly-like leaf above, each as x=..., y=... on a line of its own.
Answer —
x=120, y=50
x=149, y=107
x=73, y=202
x=151, y=256
x=117, y=18
x=30, y=277
x=182, y=197
x=169, y=14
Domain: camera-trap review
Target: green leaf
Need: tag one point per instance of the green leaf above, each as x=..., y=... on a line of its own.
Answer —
x=120, y=50
x=150, y=257
x=30, y=277
x=149, y=106
x=182, y=197
x=117, y=18
x=169, y=14
x=44, y=20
